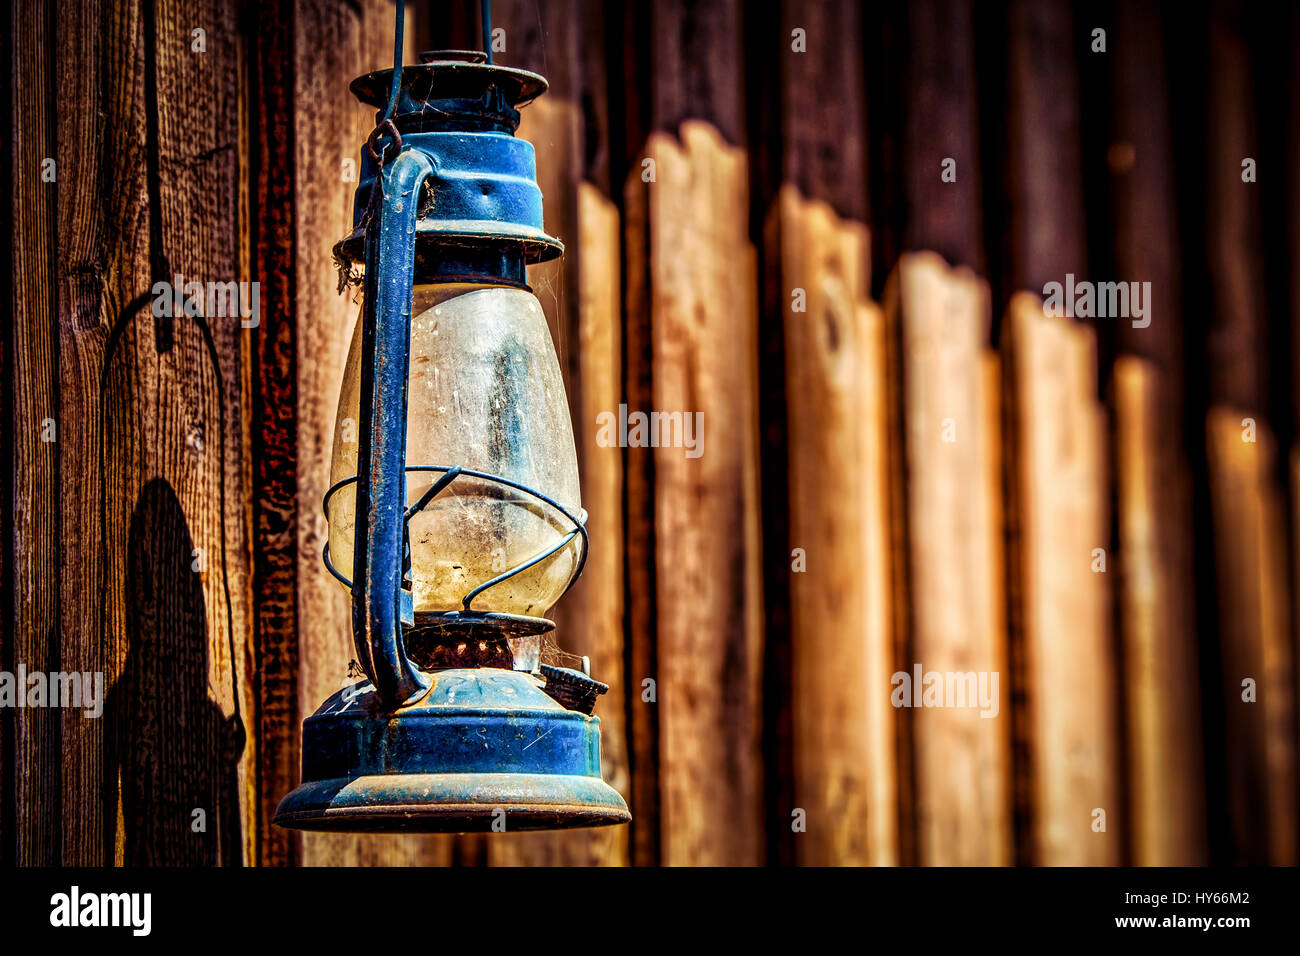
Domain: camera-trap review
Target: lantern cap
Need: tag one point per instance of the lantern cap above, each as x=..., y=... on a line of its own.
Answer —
x=453, y=90
x=481, y=209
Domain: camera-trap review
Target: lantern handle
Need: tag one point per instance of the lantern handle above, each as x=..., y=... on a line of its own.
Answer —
x=378, y=598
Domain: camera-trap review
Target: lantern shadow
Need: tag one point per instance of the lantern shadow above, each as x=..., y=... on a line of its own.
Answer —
x=172, y=749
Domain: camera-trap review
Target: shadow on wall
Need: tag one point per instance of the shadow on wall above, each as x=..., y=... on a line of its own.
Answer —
x=168, y=743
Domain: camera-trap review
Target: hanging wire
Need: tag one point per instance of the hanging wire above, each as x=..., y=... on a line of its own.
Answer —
x=486, y=8
x=398, y=29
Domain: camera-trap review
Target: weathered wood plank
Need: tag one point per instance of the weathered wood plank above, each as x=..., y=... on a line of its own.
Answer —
x=1256, y=656
x=639, y=539
x=37, y=544
x=842, y=639
x=105, y=269
x=1070, y=719
x=274, y=433
x=949, y=421
x=575, y=294
x=183, y=700
x=1161, y=685
x=703, y=343
x=704, y=309
x=951, y=430
x=1165, y=780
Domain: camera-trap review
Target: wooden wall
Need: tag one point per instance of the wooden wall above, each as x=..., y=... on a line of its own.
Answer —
x=825, y=227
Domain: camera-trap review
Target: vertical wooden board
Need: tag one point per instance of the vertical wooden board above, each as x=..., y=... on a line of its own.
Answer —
x=334, y=42
x=597, y=631
x=809, y=177
x=274, y=438
x=951, y=432
x=574, y=292
x=841, y=642
x=34, y=572
x=1165, y=780
x=704, y=308
x=1158, y=630
x=639, y=540
x=181, y=700
x=1071, y=713
x=104, y=277
x=1256, y=652
x=1295, y=580
x=1249, y=536
x=600, y=341
x=879, y=587
x=329, y=129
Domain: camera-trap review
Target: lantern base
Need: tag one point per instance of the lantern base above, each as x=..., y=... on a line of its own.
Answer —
x=485, y=749
x=452, y=803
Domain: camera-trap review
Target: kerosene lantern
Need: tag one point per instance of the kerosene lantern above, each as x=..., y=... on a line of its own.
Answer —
x=454, y=510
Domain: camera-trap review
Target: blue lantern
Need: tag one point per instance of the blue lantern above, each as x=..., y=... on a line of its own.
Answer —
x=454, y=510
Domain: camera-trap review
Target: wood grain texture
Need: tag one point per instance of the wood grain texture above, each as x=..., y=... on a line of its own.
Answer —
x=105, y=264
x=810, y=185
x=1070, y=718
x=150, y=584
x=709, y=639
x=274, y=439
x=697, y=51
x=188, y=647
x=952, y=442
x=641, y=626
x=842, y=650
x=152, y=581
x=34, y=572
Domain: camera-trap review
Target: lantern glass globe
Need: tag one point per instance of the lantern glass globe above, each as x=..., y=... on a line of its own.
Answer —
x=485, y=393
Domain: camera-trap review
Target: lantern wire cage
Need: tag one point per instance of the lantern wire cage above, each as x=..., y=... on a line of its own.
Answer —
x=467, y=614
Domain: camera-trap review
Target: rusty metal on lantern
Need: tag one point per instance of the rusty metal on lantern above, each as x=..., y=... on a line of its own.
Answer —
x=454, y=511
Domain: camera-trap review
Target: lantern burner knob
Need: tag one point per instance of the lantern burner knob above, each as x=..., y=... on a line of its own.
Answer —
x=574, y=689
